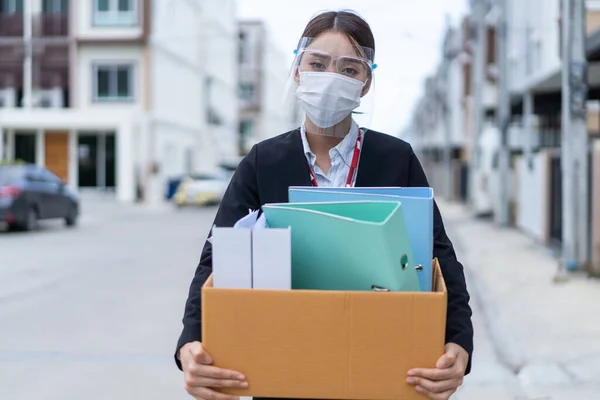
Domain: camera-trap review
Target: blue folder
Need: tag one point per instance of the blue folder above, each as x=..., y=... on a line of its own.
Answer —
x=417, y=206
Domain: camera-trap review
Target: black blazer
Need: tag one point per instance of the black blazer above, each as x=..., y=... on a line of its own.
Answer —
x=265, y=174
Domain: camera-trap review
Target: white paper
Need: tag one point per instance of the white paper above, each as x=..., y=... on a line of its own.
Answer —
x=248, y=221
x=261, y=222
x=271, y=259
x=232, y=258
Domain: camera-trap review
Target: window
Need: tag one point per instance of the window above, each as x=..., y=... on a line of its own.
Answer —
x=115, y=12
x=55, y=6
x=113, y=83
x=247, y=91
x=247, y=128
x=11, y=6
x=242, y=49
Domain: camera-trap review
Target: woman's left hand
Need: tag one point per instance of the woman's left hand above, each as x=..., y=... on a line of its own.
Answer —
x=443, y=381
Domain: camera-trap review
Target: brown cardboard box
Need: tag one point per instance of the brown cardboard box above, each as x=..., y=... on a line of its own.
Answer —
x=322, y=344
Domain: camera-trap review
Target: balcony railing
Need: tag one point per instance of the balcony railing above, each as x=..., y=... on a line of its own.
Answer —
x=52, y=25
x=11, y=25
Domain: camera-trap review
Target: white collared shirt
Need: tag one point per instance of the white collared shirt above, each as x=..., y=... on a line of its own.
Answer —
x=340, y=155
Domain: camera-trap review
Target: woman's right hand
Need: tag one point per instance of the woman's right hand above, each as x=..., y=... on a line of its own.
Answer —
x=201, y=376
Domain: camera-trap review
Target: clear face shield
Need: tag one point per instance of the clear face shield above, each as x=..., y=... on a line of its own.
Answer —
x=331, y=84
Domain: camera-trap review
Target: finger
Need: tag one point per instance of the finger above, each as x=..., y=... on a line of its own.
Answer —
x=436, y=396
x=447, y=360
x=200, y=355
x=221, y=383
x=209, y=394
x=208, y=371
x=434, y=386
x=432, y=374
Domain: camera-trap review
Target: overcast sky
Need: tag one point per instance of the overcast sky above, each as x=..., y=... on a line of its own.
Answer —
x=407, y=33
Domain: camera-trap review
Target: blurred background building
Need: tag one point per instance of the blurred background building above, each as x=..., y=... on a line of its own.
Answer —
x=457, y=128
x=123, y=95
x=262, y=82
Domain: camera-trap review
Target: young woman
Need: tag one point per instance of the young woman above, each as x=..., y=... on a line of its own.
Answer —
x=332, y=73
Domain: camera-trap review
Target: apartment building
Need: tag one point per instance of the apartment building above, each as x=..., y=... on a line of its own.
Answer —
x=535, y=69
x=443, y=119
x=117, y=94
x=263, y=74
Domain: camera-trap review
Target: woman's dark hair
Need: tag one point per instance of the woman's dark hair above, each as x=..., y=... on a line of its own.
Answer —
x=347, y=22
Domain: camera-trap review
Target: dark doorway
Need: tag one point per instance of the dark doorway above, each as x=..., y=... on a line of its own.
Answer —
x=87, y=153
x=25, y=147
x=555, y=199
x=110, y=160
x=97, y=160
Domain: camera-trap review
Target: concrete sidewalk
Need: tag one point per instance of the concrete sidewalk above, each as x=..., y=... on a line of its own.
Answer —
x=547, y=334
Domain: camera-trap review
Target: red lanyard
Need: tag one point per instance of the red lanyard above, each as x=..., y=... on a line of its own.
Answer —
x=353, y=165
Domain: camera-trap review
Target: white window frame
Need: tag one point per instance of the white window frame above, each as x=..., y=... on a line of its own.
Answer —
x=96, y=67
x=113, y=17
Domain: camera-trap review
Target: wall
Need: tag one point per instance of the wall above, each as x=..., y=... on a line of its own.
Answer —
x=266, y=66
x=592, y=22
x=533, y=37
x=90, y=54
x=456, y=86
x=276, y=66
x=219, y=58
x=176, y=121
x=593, y=117
x=596, y=204
x=532, y=195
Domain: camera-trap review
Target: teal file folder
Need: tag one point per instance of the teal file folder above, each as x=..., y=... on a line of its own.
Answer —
x=359, y=245
x=417, y=206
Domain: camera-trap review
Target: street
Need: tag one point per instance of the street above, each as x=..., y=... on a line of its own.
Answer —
x=94, y=312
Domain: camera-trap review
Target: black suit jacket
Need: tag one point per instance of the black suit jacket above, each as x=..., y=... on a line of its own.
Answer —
x=264, y=176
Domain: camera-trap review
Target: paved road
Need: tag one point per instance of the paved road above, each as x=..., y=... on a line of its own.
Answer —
x=94, y=312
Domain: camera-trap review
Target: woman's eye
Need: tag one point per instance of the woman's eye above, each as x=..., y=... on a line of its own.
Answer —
x=350, y=71
x=317, y=65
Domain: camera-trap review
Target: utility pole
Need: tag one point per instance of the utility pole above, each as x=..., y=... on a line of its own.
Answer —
x=575, y=139
x=478, y=29
x=503, y=115
x=27, y=100
x=446, y=99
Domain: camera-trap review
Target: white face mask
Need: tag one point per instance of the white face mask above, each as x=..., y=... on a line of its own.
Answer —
x=328, y=97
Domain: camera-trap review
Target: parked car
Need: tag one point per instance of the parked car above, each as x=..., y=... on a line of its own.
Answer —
x=29, y=193
x=201, y=189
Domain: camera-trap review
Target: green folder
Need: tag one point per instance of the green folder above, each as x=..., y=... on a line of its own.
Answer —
x=358, y=245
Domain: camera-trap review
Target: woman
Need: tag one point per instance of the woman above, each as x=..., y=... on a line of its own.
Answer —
x=333, y=71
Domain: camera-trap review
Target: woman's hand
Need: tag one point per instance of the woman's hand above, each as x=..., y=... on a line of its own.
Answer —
x=442, y=382
x=201, y=377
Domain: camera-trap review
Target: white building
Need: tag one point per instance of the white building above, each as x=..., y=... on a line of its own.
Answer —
x=263, y=74
x=118, y=94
